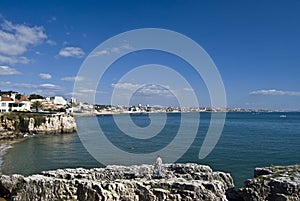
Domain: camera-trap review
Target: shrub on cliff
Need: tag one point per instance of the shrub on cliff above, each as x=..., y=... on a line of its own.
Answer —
x=20, y=121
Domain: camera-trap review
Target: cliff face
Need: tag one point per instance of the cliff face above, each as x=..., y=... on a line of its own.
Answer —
x=16, y=125
x=177, y=182
x=277, y=183
x=55, y=124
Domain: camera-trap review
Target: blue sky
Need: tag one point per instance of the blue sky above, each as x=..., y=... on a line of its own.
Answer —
x=254, y=44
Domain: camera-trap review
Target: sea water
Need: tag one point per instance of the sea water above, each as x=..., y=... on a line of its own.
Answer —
x=248, y=140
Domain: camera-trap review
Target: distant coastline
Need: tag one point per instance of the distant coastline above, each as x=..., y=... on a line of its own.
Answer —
x=97, y=113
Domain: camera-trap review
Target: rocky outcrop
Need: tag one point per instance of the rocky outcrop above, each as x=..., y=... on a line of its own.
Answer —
x=277, y=183
x=177, y=182
x=13, y=125
x=53, y=124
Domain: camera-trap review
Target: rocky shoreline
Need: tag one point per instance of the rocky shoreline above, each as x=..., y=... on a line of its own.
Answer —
x=16, y=125
x=177, y=182
x=278, y=183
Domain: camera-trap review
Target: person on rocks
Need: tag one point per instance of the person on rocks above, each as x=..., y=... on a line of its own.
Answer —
x=158, y=164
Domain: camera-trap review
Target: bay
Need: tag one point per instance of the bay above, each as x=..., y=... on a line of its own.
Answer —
x=248, y=140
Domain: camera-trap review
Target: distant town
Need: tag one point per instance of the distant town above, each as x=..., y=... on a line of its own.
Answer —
x=11, y=101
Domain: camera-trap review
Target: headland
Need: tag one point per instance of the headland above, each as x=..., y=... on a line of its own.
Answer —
x=19, y=124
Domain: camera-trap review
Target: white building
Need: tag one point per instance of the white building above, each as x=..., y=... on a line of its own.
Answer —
x=7, y=104
x=4, y=105
x=58, y=100
x=19, y=106
x=74, y=101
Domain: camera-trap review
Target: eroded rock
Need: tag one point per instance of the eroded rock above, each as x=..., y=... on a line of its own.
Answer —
x=177, y=182
x=277, y=183
x=15, y=125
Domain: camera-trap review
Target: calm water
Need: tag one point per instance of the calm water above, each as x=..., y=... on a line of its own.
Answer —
x=248, y=140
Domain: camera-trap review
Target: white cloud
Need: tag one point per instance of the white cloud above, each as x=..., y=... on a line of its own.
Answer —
x=50, y=86
x=41, y=88
x=275, y=92
x=51, y=42
x=52, y=19
x=4, y=84
x=45, y=76
x=48, y=89
x=15, y=40
x=23, y=85
x=127, y=86
x=144, y=89
x=16, y=85
x=100, y=53
x=111, y=50
x=152, y=89
x=83, y=94
x=73, y=79
x=13, y=59
x=188, y=89
x=87, y=91
x=71, y=52
x=5, y=70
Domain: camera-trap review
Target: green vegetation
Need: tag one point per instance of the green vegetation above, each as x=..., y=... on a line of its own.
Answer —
x=35, y=96
x=24, y=123
x=21, y=120
x=262, y=178
x=20, y=185
x=11, y=116
x=18, y=96
x=280, y=171
x=39, y=120
x=37, y=105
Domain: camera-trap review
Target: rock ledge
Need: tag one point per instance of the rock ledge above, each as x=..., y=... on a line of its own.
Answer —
x=177, y=182
x=276, y=183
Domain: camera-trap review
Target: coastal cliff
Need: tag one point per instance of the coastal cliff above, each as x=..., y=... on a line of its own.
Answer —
x=276, y=183
x=177, y=182
x=13, y=125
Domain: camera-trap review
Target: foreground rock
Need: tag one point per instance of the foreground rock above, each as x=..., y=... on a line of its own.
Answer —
x=277, y=183
x=14, y=125
x=177, y=182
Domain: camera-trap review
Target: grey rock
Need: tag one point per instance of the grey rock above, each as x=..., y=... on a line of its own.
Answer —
x=273, y=183
x=15, y=125
x=178, y=182
x=262, y=171
x=53, y=125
